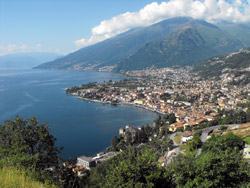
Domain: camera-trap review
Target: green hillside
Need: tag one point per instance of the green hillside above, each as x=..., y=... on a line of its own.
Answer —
x=239, y=30
x=192, y=43
x=233, y=67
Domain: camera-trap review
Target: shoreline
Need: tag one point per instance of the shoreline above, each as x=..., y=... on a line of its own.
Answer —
x=120, y=103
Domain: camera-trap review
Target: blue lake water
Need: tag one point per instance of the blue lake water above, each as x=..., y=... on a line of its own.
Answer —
x=83, y=128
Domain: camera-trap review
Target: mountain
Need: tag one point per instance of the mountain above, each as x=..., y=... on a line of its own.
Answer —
x=25, y=60
x=239, y=30
x=113, y=50
x=233, y=68
x=196, y=41
x=156, y=45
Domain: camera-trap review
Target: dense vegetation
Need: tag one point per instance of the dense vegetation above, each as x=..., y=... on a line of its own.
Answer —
x=28, y=151
x=220, y=165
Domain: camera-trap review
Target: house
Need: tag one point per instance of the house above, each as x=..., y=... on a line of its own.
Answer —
x=201, y=121
x=190, y=123
x=140, y=101
x=187, y=135
x=173, y=127
x=133, y=131
x=86, y=162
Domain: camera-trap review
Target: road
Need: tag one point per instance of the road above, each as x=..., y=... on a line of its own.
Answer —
x=173, y=153
x=171, y=136
x=206, y=131
x=204, y=136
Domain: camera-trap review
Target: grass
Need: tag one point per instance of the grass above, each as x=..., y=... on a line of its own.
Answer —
x=241, y=132
x=177, y=138
x=11, y=177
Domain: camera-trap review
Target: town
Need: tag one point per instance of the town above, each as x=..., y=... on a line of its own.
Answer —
x=171, y=91
x=189, y=108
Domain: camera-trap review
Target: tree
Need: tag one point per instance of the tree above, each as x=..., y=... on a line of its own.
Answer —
x=147, y=131
x=248, y=115
x=223, y=169
x=114, y=143
x=221, y=143
x=158, y=122
x=28, y=143
x=136, y=168
x=194, y=143
x=128, y=137
x=170, y=118
x=217, y=166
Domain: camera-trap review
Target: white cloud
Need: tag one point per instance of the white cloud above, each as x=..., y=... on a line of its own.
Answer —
x=209, y=10
x=13, y=48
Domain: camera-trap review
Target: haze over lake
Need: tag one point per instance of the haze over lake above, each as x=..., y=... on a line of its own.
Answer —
x=83, y=128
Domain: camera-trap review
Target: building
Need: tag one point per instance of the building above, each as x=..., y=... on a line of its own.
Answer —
x=86, y=162
x=188, y=135
x=133, y=131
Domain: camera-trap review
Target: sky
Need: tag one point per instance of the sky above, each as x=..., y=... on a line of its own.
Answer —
x=64, y=26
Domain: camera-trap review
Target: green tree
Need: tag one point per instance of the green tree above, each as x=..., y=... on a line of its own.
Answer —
x=183, y=171
x=217, y=166
x=114, y=143
x=223, y=169
x=221, y=143
x=135, y=168
x=28, y=143
x=170, y=118
x=128, y=137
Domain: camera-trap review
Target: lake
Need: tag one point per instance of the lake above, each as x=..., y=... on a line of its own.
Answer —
x=81, y=127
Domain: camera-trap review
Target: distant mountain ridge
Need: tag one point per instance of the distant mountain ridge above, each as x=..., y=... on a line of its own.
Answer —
x=113, y=50
x=153, y=46
x=26, y=60
x=240, y=30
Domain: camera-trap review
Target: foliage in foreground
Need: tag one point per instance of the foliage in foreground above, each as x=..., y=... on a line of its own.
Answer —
x=220, y=165
x=28, y=143
x=29, y=146
x=12, y=177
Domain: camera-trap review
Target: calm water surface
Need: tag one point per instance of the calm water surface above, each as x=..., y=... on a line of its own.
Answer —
x=83, y=128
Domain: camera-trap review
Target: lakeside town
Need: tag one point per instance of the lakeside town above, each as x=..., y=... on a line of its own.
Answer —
x=189, y=108
x=172, y=91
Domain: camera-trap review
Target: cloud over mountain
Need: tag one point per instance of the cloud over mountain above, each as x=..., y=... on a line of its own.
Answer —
x=209, y=10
